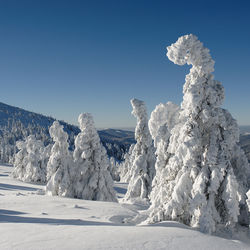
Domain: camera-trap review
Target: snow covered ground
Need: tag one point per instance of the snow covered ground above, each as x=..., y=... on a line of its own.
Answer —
x=31, y=220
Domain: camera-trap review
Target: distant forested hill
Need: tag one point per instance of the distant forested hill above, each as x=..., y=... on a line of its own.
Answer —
x=17, y=123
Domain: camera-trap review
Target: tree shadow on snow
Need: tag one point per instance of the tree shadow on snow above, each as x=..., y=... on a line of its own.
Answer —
x=9, y=212
x=9, y=216
x=16, y=187
x=172, y=224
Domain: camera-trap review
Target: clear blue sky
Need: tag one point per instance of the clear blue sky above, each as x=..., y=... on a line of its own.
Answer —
x=62, y=58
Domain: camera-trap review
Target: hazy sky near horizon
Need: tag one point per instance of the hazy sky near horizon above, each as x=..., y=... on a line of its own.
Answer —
x=62, y=58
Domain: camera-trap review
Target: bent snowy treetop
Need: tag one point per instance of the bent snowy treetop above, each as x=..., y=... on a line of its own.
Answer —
x=188, y=49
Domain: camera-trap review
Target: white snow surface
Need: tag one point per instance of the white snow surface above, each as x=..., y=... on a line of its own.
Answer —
x=31, y=220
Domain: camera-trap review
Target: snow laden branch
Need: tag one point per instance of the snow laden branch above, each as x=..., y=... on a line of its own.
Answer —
x=92, y=180
x=163, y=118
x=142, y=158
x=204, y=174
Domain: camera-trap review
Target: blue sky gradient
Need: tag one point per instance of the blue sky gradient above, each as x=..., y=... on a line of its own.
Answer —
x=62, y=58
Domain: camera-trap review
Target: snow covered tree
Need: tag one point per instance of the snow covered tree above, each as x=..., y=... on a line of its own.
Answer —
x=92, y=178
x=114, y=169
x=46, y=155
x=125, y=165
x=199, y=183
x=29, y=165
x=248, y=200
x=162, y=120
x=142, y=169
x=20, y=162
x=60, y=163
x=35, y=169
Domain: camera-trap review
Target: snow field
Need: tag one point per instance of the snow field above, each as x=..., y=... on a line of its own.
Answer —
x=32, y=220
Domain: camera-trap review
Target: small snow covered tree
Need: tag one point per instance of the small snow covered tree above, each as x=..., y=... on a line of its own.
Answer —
x=35, y=169
x=125, y=165
x=199, y=183
x=142, y=168
x=113, y=169
x=29, y=164
x=92, y=178
x=60, y=163
x=20, y=162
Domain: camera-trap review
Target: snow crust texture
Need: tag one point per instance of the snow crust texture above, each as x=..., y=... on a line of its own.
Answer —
x=202, y=175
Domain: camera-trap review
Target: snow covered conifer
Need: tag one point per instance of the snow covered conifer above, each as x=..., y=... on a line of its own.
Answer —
x=35, y=170
x=20, y=162
x=60, y=163
x=46, y=155
x=162, y=120
x=29, y=164
x=125, y=165
x=199, y=183
x=142, y=169
x=92, y=178
x=113, y=168
x=248, y=200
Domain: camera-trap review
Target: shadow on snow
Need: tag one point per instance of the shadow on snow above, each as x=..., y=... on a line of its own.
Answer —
x=10, y=216
x=16, y=187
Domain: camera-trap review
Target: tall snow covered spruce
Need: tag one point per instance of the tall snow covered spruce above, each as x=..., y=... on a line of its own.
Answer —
x=162, y=120
x=205, y=177
x=92, y=178
x=142, y=169
x=60, y=163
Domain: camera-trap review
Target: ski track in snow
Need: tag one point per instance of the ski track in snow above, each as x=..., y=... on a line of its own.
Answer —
x=31, y=220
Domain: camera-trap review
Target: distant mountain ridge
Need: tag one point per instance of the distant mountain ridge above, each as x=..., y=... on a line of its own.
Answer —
x=16, y=123
x=244, y=129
